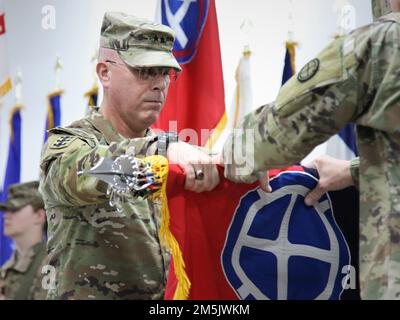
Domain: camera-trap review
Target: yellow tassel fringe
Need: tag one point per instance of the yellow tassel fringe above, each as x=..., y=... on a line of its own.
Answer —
x=160, y=167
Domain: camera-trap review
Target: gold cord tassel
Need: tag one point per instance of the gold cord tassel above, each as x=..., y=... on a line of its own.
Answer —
x=159, y=166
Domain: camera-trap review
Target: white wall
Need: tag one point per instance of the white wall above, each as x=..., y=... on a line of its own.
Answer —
x=33, y=50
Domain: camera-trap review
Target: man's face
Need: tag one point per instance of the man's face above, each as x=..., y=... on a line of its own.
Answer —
x=138, y=100
x=19, y=222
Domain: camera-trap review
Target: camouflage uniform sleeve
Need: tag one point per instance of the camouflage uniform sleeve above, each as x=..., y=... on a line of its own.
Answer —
x=355, y=171
x=61, y=163
x=329, y=92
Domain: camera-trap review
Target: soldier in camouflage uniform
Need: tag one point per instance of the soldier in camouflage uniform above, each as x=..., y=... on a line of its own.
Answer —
x=25, y=219
x=355, y=79
x=96, y=251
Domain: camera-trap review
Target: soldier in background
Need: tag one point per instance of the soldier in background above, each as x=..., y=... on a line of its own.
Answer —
x=355, y=79
x=25, y=220
x=97, y=251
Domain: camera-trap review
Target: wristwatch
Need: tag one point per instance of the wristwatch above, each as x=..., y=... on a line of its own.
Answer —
x=164, y=139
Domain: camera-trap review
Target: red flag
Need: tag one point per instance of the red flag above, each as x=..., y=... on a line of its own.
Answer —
x=237, y=242
x=199, y=223
x=196, y=101
x=200, y=252
x=5, y=81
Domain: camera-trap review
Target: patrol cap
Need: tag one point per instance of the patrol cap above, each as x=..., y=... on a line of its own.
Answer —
x=139, y=42
x=381, y=8
x=21, y=195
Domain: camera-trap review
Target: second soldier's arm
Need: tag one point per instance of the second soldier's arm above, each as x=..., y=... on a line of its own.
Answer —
x=336, y=88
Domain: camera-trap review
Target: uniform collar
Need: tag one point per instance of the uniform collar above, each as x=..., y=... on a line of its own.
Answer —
x=97, y=119
x=22, y=263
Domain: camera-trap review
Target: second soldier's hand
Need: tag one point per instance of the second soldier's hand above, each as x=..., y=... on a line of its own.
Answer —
x=334, y=174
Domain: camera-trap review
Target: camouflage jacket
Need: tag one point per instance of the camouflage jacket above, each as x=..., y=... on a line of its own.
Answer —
x=18, y=281
x=97, y=252
x=355, y=79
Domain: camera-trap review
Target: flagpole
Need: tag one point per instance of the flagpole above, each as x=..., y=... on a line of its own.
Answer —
x=18, y=88
x=291, y=43
x=53, y=100
x=290, y=36
x=245, y=28
x=58, y=67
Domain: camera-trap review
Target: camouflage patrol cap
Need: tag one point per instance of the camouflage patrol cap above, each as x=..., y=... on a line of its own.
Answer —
x=139, y=42
x=21, y=195
x=381, y=8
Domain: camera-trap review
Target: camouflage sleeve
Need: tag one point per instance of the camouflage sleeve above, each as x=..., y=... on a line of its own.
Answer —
x=329, y=92
x=355, y=171
x=60, y=165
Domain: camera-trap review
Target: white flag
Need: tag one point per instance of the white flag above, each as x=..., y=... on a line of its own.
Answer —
x=5, y=81
x=242, y=102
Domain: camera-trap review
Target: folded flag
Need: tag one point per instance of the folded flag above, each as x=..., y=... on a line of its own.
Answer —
x=238, y=242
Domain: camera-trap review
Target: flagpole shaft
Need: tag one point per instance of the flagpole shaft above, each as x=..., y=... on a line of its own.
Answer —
x=18, y=88
x=58, y=68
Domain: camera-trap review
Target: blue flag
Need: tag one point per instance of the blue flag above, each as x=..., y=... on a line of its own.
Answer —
x=290, y=66
x=348, y=135
x=92, y=96
x=53, y=112
x=280, y=249
x=13, y=175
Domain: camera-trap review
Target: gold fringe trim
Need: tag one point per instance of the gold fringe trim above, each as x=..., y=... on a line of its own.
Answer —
x=291, y=47
x=5, y=87
x=89, y=95
x=160, y=168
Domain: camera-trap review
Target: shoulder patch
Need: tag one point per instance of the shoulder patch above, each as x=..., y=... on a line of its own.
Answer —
x=309, y=71
x=62, y=142
x=73, y=133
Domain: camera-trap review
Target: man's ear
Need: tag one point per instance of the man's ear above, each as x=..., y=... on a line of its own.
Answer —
x=41, y=216
x=103, y=72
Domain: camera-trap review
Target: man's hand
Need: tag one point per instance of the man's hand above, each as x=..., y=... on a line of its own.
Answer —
x=201, y=172
x=334, y=175
x=264, y=182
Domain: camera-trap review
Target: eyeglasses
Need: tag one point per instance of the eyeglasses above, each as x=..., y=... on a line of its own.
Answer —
x=151, y=73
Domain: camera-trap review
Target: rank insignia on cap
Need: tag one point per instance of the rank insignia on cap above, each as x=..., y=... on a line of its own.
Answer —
x=309, y=70
x=62, y=142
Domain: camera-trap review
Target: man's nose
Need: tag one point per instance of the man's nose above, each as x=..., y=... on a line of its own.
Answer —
x=160, y=82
